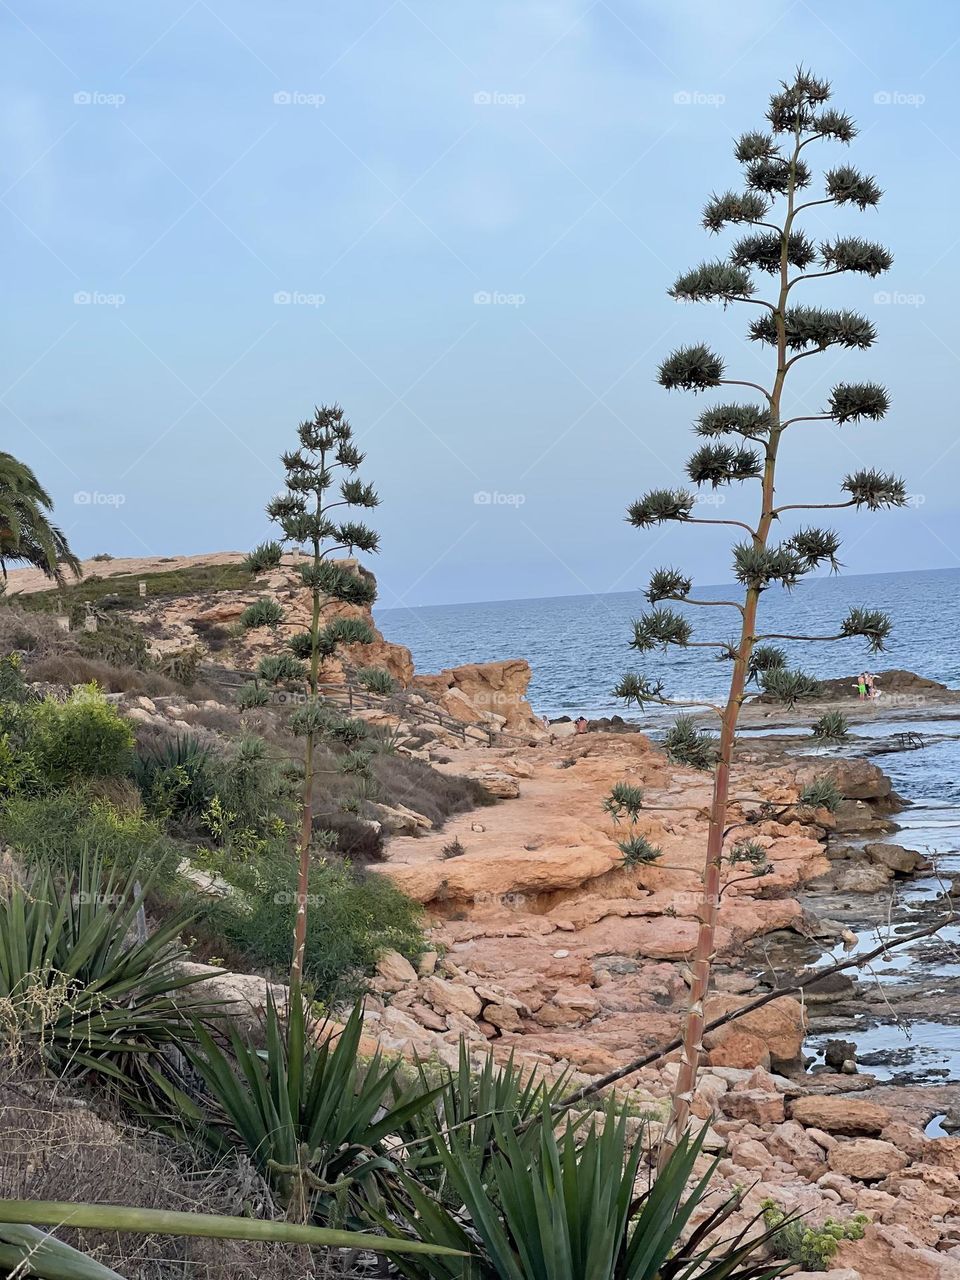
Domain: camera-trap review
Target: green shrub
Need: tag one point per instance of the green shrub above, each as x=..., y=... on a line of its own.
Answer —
x=73, y=990
x=119, y=642
x=810, y=1247
x=262, y=613
x=266, y=555
x=182, y=665
x=832, y=727
x=13, y=687
x=638, y=851
x=174, y=781
x=352, y=919
x=283, y=666
x=556, y=1202
x=312, y=1119
x=84, y=737
x=821, y=793
x=63, y=827
x=252, y=695
x=376, y=680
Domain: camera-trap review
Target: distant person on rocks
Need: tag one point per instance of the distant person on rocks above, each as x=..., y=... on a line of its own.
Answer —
x=580, y=724
x=862, y=685
x=871, y=682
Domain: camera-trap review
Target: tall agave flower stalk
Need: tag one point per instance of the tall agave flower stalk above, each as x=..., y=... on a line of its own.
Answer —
x=742, y=445
x=321, y=480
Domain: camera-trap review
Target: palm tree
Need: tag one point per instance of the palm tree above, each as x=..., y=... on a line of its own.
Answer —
x=26, y=534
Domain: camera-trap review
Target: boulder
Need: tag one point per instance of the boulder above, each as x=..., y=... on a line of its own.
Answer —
x=450, y=997
x=852, y=1117
x=395, y=971
x=499, y=784
x=754, y=1105
x=780, y=1025
x=739, y=1049
x=943, y=1153
x=861, y=877
x=793, y=1145
x=504, y=1016
x=889, y=1253
x=866, y=1159
x=845, y=1273
x=901, y=861
x=485, y=687
x=428, y=1017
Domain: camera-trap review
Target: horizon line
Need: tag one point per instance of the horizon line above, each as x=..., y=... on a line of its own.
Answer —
x=590, y=595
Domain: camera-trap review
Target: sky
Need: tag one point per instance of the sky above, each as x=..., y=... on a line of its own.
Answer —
x=460, y=222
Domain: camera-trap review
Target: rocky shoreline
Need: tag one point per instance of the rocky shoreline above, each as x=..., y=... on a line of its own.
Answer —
x=548, y=948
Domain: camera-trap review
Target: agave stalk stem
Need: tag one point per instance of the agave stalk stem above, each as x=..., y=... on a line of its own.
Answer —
x=694, y=1023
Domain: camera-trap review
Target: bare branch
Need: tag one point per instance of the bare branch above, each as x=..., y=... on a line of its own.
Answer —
x=735, y=382
x=739, y=523
x=814, y=506
x=814, y=417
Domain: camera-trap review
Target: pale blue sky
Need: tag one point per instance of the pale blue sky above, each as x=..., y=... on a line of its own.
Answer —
x=428, y=152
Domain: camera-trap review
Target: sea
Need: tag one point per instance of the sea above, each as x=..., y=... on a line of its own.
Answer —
x=578, y=647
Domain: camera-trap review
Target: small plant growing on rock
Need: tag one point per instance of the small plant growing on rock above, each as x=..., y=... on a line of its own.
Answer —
x=266, y=555
x=810, y=1247
x=832, y=727
x=624, y=803
x=280, y=667
x=454, y=849
x=638, y=851
x=262, y=613
x=376, y=680
x=252, y=695
x=741, y=445
x=821, y=793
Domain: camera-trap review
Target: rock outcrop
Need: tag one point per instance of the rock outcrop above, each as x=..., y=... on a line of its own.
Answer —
x=493, y=692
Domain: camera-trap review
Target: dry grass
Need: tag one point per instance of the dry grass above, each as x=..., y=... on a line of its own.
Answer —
x=73, y=668
x=53, y=1147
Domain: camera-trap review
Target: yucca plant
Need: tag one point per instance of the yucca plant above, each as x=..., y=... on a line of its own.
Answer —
x=467, y=1108
x=314, y=1120
x=174, y=779
x=26, y=1251
x=566, y=1207
x=76, y=992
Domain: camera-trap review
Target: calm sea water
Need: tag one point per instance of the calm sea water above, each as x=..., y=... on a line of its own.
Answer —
x=578, y=646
